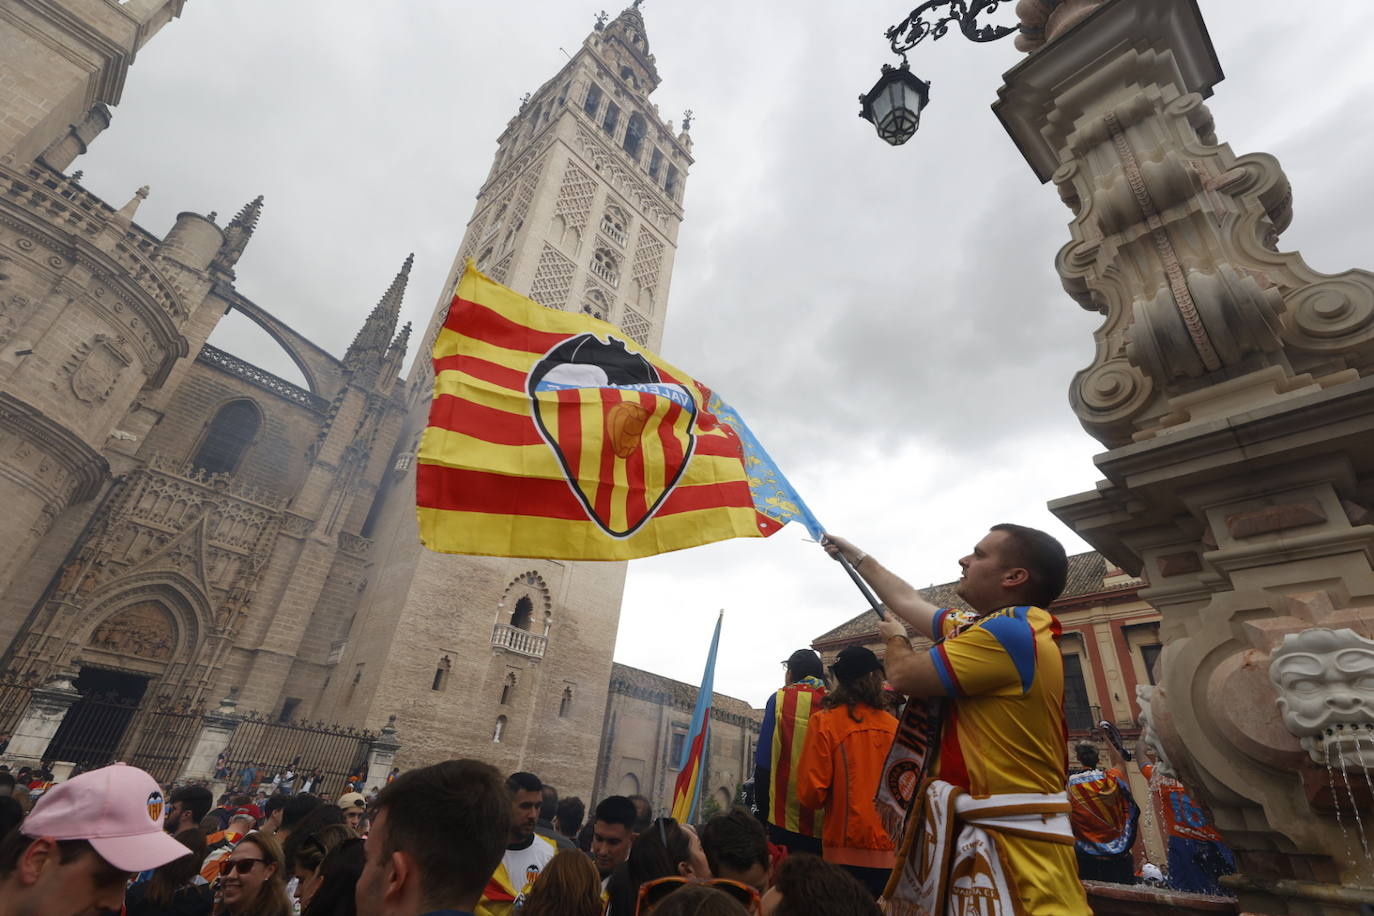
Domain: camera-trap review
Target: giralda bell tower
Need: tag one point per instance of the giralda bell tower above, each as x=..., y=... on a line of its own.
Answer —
x=509, y=660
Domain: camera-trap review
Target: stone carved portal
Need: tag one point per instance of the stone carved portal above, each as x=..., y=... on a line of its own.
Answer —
x=144, y=630
x=1325, y=680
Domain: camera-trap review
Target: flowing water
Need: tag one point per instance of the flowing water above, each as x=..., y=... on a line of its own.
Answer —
x=1359, y=745
x=1336, y=799
x=1354, y=802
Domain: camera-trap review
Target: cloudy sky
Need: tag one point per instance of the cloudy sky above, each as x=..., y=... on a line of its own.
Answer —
x=887, y=319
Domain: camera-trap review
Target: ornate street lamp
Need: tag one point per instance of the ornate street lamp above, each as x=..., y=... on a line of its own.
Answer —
x=894, y=103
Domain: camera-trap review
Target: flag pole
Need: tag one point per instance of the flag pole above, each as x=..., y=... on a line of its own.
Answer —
x=862, y=585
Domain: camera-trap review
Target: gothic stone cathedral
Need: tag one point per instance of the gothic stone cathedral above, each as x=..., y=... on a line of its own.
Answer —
x=181, y=526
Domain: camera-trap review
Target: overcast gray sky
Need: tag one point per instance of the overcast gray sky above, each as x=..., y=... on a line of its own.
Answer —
x=887, y=319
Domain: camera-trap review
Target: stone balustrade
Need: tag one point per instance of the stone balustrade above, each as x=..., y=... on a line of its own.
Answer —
x=521, y=642
x=261, y=378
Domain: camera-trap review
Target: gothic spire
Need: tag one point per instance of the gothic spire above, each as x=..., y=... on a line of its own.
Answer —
x=373, y=340
x=627, y=43
x=400, y=342
x=237, y=234
x=396, y=353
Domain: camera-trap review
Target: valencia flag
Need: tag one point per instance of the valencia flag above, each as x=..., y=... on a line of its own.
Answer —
x=555, y=435
x=687, y=788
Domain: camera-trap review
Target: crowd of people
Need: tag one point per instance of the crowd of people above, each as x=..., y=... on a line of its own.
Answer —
x=914, y=781
x=456, y=837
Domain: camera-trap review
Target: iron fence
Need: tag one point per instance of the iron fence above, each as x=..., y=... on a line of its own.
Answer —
x=262, y=748
x=158, y=735
x=162, y=738
x=92, y=730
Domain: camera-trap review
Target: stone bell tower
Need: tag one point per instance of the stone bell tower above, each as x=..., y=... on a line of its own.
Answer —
x=1233, y=387
x=510, y=660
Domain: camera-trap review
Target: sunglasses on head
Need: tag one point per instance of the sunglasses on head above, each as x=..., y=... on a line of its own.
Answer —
x=651, y=893
x=242, y=866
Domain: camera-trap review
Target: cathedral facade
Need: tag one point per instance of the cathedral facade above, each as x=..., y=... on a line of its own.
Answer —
x=182, y=526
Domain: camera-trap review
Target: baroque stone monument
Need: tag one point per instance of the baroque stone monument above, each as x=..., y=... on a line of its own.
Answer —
x=1232, y=389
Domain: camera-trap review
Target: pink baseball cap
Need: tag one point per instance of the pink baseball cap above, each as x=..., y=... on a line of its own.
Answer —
x=117, y=809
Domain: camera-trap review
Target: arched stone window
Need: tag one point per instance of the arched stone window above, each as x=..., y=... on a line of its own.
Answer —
x=611, y=119
x=565, y=704
x=484, y=257
x=614, y=223
x=606, y=265
x=634, y=135
x=593, y=100
x=523, y=614
x=596, y=305
x=508, y=689
x=496, y=217
x=228, y=437
x=499, y=731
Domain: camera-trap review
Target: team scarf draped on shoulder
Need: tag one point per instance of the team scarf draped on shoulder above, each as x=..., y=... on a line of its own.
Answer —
x=1104, y=814
x=556, y=435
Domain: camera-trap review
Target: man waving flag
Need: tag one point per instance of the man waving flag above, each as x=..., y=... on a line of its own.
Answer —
x=555, y=435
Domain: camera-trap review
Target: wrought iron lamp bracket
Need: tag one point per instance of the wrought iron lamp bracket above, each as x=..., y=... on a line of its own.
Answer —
x=915, y=28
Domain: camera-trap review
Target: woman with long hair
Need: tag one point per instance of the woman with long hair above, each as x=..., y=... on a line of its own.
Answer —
x=175, y=889
x=846, y=745
x=338, y=878
x=568, y=886
x=665, y=848
x=309, y=854
x=252, y=882
x=340, y=871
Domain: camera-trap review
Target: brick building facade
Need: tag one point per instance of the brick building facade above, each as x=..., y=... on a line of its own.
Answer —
x=182, y=524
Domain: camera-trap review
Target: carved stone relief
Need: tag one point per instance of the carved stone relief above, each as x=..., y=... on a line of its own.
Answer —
x=1146, y=695
x=95, y=367
x=144, y=630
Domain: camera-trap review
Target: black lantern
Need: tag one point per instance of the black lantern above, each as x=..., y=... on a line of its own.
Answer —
x=894, y=103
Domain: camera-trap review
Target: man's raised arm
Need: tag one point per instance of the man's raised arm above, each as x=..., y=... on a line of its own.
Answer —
x=892, y=590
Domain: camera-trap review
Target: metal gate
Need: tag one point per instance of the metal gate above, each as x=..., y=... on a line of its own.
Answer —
x=92, y=730
x=161, y=740
x=269, y=747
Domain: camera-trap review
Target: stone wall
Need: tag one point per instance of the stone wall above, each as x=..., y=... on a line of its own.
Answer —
x=643, y=714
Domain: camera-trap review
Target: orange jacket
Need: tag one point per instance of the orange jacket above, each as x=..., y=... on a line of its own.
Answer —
x=841, y=764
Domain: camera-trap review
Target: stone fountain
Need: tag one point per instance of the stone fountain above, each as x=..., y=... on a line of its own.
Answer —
x=1233, y=390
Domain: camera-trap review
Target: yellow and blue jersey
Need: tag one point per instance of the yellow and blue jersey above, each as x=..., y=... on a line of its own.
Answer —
x=1004, y=732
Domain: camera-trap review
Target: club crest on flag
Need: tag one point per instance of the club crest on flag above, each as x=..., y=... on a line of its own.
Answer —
x=556, y=435
x=623, y=436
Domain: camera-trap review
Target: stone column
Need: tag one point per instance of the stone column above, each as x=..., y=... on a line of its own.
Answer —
x=216, y=731
x=47, y=708
x=381, y=755
x=1233, y=387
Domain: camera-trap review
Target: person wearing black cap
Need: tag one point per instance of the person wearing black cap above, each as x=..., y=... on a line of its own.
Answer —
x=841, y=763
x=785, y=718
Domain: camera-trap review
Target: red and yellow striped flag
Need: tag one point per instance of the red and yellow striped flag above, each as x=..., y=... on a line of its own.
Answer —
x=554, y=435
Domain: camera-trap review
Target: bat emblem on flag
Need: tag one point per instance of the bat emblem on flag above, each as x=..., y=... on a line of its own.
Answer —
x=623, y=436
